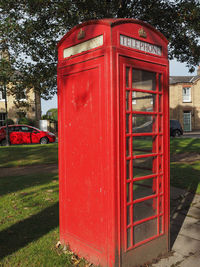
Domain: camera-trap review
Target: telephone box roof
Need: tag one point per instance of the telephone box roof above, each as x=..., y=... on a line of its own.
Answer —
x=112, y=23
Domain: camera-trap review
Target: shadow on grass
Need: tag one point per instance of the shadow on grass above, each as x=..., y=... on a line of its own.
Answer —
x=182, y=145
x=15, y=183
x=28, y=154
x=185, y=178
x=24, y=232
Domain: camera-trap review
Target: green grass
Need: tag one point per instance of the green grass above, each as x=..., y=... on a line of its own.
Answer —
x=22, y=155
x=185, y=175
x=181, y=145
x=29, y=221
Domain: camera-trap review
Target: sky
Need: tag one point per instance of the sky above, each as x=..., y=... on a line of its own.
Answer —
x=175, y=68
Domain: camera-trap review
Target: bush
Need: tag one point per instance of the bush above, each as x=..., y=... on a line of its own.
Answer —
x=10, y=121
x=27, y=121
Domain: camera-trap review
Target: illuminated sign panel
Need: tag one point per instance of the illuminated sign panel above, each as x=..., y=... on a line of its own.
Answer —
x=140, y=45
x=85, y=46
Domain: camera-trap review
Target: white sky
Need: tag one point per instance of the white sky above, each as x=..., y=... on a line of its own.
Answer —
x=176, y=69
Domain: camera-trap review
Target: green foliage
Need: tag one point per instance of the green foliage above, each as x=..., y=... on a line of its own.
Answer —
x=27, y=121
x=33, y=28
x=9, y=122
x=52, y=114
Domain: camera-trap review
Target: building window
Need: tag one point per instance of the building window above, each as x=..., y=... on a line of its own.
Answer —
x=2, y=94
x=2, y=119
x=21, y=95
x=186, y=94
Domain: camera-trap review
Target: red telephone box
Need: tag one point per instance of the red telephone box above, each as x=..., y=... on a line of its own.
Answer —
x=114, y=142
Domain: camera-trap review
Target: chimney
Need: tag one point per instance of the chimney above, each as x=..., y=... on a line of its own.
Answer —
x=198, y=71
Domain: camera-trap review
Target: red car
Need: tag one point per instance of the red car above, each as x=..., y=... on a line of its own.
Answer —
x=25, y=134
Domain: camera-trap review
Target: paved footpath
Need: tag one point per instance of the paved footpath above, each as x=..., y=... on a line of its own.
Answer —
x=185, y=230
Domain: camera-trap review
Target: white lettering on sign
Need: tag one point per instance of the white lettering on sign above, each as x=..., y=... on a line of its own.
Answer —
x=85, y=46
x=140, y=45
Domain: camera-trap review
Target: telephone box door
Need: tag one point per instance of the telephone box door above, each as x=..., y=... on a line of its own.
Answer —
x=144, y=164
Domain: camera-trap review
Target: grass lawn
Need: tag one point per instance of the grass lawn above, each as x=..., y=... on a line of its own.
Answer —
x=23, y=155
x=181, y=145
x=185, y=174
x=29, y=220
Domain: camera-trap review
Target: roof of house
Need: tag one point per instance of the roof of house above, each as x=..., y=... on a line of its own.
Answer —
x=184, y=79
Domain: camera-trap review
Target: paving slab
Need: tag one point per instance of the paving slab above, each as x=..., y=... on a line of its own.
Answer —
x=196, y=203
x=190, y=228
x=197, y=198
x=184, y=230
x=192, y=212
x=173, y=260
x=185, y=245
x=192, y=261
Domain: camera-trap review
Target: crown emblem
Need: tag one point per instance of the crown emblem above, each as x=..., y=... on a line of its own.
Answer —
x=142, y=33
x=81, y=34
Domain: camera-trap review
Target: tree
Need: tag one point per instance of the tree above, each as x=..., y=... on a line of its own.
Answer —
x=51, y=114
x=6, y=71
x=32, y=28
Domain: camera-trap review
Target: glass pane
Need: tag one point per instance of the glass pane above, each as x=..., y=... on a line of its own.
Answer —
x=160, y=164
x=143, y=123
x=144, y=230
x=134, y=102
x=161, y=225
x=160, y=103
x=160, y=146
x=127, y=100
x=160, y=124
x=127, y=76
x=144, y=188
x=144, y=166
x=128, y=221
x=128, y=169
x=143, y=101
x=161, y=204
x=127, y=123
x=128, y=146
x=144, y=209
x=128, y=237
x=144, y=145
x=161, y=184
x=128, y=192
x=145, y=80
x=160, y=82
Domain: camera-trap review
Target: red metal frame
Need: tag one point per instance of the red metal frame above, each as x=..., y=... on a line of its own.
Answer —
x=92, y=144
x=157, y=175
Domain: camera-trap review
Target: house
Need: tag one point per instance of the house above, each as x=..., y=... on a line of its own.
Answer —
x=26, y=103
x=185, y=100
x=30, y=109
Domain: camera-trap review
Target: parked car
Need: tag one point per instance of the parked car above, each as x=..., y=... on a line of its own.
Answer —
x=25, y=134
x=176, y=129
